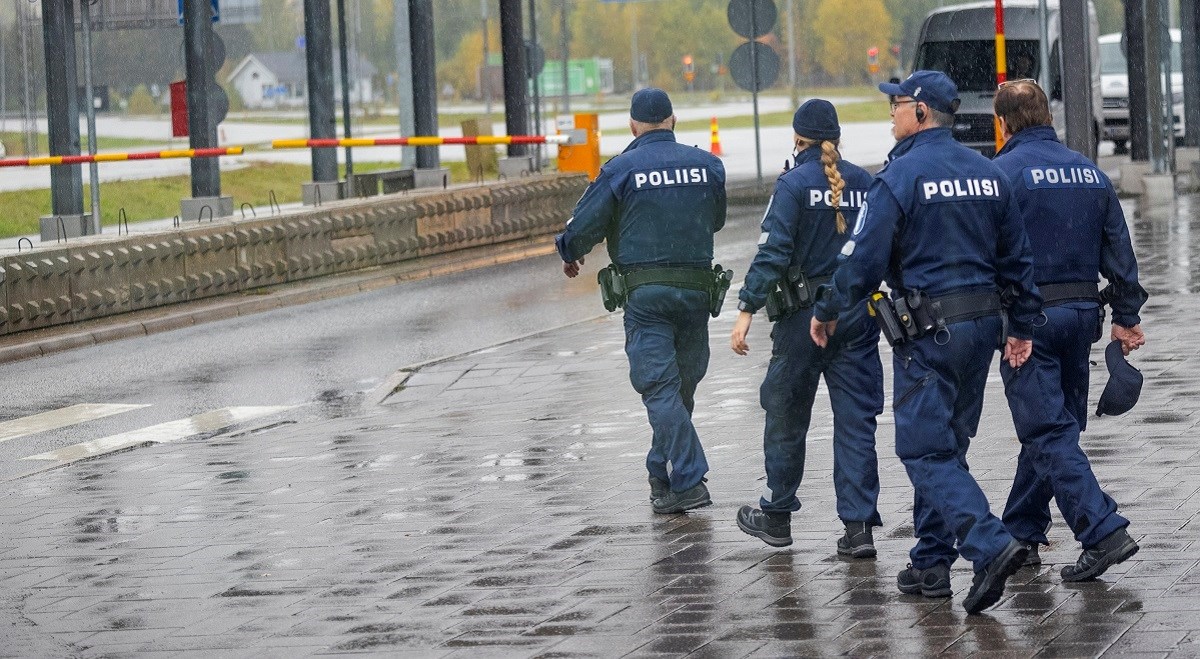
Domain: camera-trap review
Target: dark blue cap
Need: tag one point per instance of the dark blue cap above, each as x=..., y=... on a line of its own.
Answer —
x=650, y=106
x=817, y=120
x=933, y=88
x=1124, y=383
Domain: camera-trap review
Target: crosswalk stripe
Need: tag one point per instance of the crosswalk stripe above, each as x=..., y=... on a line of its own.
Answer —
x=60, y=418
x=162, y=433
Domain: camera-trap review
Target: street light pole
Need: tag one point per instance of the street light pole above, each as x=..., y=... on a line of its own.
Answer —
x=85, y=21
x=483, y=71
x=791, y=46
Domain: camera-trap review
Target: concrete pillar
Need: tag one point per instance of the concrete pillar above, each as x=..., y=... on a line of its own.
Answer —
x=318, y=40
x=1135, y=62
x=1077, y=79
x=1189, y=25
x=424, y=79
x=62, y=105
x=516, y=87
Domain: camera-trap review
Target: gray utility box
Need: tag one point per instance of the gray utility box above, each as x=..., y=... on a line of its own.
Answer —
x=315, y=194
x=55, y=227
x=397, y=180
x=432, y=178
x=516, y=167
x=205, y=208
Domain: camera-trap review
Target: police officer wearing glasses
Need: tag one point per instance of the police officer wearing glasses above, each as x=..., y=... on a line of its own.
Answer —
x=941, y=226
x=1077, y=232
x=658, y=205
x=802, y=232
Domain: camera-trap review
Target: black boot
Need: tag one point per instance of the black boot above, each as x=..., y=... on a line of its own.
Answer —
x=775, y=529
x=678, y=502
x=988, y=586
x=1114, y=548
x=932, y=581
x=857, y=542
x=1034, y=557
x=659, y=488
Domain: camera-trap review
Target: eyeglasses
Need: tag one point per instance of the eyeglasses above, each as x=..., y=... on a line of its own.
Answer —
x=1013, y=82
x=895, y=104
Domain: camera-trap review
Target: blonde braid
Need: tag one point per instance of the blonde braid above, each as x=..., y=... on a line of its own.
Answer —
x=829, y=158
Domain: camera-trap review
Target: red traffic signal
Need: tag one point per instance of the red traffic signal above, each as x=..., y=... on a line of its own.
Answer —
x=872, y=54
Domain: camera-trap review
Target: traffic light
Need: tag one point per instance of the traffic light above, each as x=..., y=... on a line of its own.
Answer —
x=689, y=68
x=873, y=59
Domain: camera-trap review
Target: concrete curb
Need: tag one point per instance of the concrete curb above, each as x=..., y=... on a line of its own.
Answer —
x=48, y=341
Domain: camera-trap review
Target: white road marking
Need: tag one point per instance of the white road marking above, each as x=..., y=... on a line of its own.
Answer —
x=162, y=433
x=60, y=418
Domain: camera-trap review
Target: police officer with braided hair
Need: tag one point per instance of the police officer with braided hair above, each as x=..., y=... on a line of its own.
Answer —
x=658, y=204
x=941, y=225
x=1077, y=231
x=802, y=232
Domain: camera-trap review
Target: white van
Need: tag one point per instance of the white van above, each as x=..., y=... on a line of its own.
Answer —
x=960, y=40
x=1114, y=81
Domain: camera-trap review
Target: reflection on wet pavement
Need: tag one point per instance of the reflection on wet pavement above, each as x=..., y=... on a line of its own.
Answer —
x=497, y=505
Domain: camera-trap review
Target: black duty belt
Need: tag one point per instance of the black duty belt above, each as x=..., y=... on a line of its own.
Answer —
x=1076, y=291
x=956, y=308
x=694, y=278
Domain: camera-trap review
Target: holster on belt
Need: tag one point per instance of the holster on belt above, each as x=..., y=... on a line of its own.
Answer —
x=915, y=314
x=615, y=286
x=794, y=293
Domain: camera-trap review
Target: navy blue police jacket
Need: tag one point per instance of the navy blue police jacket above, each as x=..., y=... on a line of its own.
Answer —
x=657, y=204
x=939, y=218
x=800, y=226
x=1074, y=221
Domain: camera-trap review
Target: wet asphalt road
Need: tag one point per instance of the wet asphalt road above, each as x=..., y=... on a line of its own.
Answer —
x=322, y=357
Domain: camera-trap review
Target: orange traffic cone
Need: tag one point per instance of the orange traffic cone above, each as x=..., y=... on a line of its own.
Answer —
x=716, y=140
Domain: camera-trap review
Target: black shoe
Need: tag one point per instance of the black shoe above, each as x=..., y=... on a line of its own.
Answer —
x=930, y=582
x=1034, y=557
x=988, y=586
x=659, y=488
x=677, y=502
x=1114, y=548
x=775, y=529
x=857, y=542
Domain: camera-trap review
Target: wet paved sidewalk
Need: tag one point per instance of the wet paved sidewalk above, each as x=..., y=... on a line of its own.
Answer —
x=497, y=506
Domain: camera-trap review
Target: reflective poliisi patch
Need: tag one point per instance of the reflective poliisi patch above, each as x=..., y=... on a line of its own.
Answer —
x=958, y=189
x=822, y=199
x=1056, y=177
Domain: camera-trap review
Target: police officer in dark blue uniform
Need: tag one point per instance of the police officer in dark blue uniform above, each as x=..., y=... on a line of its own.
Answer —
x=658, y=204
x=1077, y=231
x=941, y=225
x=802, y=232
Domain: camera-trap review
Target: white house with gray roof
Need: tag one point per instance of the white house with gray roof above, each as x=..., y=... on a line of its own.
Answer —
x=280, y=80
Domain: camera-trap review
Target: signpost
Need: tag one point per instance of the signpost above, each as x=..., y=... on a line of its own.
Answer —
x=754, y=66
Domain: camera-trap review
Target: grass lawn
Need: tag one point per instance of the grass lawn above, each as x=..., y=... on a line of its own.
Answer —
x=14, y=142
x=149, y=199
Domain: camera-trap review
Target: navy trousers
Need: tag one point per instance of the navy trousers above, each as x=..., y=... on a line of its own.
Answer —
x=1048, y=400
x=666, y=340
x=854, y=376
x=938, y=401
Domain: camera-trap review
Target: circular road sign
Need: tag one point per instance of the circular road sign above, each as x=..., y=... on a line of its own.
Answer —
x=741, y=67
x=739, y=17
x=535, y=59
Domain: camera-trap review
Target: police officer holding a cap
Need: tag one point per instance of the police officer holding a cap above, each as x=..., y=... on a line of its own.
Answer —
x=658, y=205
x=941, y=226
x=1077, y=232
x=802, y=232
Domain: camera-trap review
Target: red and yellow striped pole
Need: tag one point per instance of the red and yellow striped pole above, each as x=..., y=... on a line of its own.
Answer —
x=120, y=157
x=1001, y=65
x=483, y=140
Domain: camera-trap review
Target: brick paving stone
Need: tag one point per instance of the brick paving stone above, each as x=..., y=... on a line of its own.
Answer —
x=496, y=505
